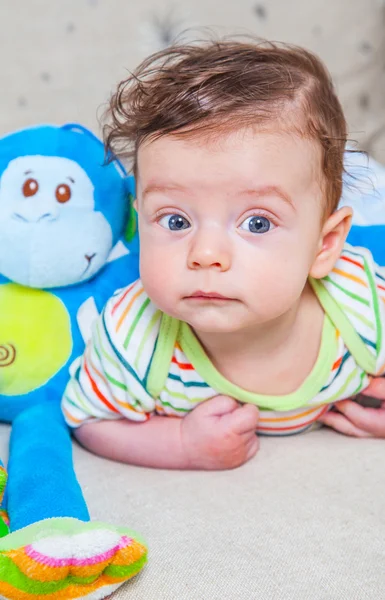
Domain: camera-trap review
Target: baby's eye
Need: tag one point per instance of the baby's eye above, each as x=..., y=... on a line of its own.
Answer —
x=256, y=224
x=174, y=222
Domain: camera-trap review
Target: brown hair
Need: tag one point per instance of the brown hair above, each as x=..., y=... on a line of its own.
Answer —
x=227, y=84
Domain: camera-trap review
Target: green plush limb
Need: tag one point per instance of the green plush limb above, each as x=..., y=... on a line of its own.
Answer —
x=4, y=520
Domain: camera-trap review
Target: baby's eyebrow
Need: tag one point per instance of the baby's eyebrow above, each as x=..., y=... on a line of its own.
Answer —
x=268, y=190
x=162, y=188
x=258, y=192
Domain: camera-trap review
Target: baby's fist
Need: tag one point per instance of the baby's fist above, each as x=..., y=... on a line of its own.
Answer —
x=220, y=434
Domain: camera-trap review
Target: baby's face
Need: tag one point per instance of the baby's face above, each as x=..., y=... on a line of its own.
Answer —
x=229, y=228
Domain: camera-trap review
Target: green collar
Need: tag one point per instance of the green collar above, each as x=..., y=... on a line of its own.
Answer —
x=172, y=330
x=309, y=388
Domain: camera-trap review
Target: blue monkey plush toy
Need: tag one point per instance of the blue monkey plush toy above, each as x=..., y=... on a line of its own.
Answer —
x=63, y=223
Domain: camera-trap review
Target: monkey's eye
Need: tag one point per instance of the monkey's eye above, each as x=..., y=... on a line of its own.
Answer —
x=30, y=188
x=63, y=193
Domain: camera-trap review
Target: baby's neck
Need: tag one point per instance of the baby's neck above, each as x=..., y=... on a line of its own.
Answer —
x=274, y=358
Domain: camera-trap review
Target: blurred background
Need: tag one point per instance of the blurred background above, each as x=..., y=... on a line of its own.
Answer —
x=62, y=58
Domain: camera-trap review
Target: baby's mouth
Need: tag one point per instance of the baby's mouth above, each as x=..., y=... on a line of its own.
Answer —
x=208, y=296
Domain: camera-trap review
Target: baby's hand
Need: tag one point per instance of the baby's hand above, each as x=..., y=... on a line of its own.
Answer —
x=220, y=434
x=351, y=418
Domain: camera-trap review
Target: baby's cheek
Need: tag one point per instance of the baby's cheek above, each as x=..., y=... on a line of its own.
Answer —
x=278, y=290
x=152, y=275
x=289, y=285
x=157, y=278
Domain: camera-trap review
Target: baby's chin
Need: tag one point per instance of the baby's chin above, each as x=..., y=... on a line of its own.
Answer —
x=214, y=328
x=213, y=322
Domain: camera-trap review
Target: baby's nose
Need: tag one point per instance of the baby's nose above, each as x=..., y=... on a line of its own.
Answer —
x=209, y=250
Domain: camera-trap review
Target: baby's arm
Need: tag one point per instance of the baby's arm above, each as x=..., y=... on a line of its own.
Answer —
x=360, y=419
x=217, y=434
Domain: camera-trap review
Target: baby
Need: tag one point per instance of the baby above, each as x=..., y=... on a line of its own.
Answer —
x=251, y=309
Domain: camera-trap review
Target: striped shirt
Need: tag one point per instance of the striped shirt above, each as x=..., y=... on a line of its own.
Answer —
x=140, y=361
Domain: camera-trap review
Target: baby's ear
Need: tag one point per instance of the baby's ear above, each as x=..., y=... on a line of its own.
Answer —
x=333, y=237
